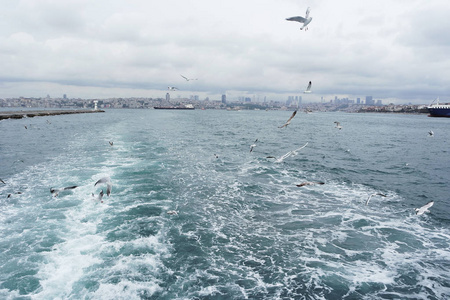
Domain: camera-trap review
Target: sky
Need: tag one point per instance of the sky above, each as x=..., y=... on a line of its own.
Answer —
x=394, y=50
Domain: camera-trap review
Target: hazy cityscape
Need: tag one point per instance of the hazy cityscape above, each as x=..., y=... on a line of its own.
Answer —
x=367, y=104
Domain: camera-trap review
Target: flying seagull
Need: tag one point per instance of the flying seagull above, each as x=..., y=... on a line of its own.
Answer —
x=375, y=194
x=289, y=120
x=294, y=152
x=338, y=125
x=111, y=143
x=423, y=209
x=55, y=192
x=310, y=183
x=308, y=89
x=430, y=133
x=253, y=145
x=172, y=88
x=172, y=212
x=305, y=20
x=187, y=79
x=2, y=181
x=106, y=180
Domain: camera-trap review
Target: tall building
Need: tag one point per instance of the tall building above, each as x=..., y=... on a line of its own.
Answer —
x=167, y=97
x=224, y=99
x=358, y=100
x=369, y=100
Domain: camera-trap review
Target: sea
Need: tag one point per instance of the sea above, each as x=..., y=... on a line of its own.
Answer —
x=243, y=229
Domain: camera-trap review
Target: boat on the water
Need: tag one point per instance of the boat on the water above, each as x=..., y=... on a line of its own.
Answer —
x=439, y=110
x=187, y=106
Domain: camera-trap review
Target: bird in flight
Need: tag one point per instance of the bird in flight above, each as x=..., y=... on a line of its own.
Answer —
x=305, y=20
x=55, y=192
x=188, y=79
x=424, y=209
x=289, y=120
x=106, y=180
x=308, y=88
x=253, y=145
x=374, y=194
x=172, y=88
x=338, y=125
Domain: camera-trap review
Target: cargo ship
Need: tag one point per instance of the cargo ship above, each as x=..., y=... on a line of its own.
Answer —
x=187, y=106
x=439, y=110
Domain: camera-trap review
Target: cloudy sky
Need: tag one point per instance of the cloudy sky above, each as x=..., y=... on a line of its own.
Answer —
x=394, y=50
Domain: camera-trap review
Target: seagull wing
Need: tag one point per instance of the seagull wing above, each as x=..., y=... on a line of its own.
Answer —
x=184, y=77
x=289, y=120
x=108, y=188
x=308, y=89
x=295, y=151
x=103, y=180
x=307, y=13
x=297, y=19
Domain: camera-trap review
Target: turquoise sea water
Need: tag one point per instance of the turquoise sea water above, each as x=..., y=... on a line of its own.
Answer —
x=244, y=230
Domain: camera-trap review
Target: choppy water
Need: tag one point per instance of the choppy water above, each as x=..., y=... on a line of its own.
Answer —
x=243, y=229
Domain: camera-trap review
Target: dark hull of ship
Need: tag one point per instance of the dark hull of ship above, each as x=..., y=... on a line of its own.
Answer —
x=173, y=107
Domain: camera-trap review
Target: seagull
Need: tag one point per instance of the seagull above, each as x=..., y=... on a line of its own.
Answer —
x=187, y=79
x=375, y=194
x=423, y=209
x=172, y=88
x=55, y=192
x=308, y=89
x=100, y=196
x=111, y=143
x=431, y=133
x=338, y=125
x=310, y=183
x=289, y=120
x=305, y=20
x=252, y=146
x=172, y=212
x=106, y=180
x=294, y=152
x=1, y=180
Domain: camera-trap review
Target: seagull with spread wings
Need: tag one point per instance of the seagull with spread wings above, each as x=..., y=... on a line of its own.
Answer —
x=289, y=120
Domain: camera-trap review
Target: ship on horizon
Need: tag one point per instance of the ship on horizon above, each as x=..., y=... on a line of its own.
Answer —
x=439, y=110
x=187, y=106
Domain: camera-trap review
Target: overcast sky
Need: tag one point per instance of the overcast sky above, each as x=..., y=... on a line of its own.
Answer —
x=394, y=50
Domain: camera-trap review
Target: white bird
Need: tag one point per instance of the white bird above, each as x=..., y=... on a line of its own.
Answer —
x=253, y=145
x=172, y=88
x=187, y=79
x=172, y=212
x=338, y=125
x=431, y=133
x=293, y=152
x=55, y=192
x=289, y=120
x=374, y=194
x=308, y=88
x=424, y=209
x=106, y=180
x=305, y=20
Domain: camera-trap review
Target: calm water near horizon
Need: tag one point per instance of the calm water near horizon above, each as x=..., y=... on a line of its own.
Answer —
x=244, y=230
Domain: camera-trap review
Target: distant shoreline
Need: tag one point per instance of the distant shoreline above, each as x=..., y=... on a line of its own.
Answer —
x=39, y=113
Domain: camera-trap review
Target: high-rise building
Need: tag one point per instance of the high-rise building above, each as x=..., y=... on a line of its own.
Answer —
x=369, y=100
x=167, y=97
x=224, y=99
x=358, y=100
